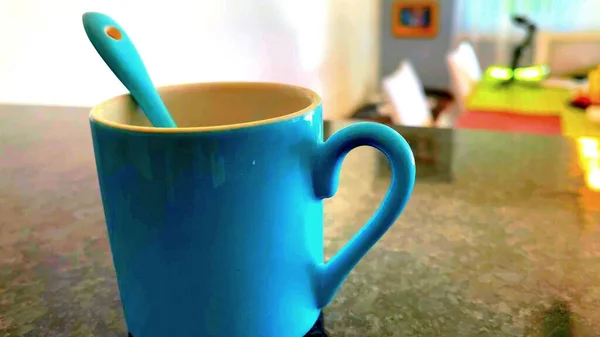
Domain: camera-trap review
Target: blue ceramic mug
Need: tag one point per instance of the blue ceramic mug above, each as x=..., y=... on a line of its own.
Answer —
x=216, y=227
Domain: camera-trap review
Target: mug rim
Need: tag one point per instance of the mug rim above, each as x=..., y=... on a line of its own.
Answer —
x=315, y=101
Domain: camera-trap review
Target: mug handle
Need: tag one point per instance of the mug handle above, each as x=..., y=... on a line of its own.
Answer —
x=326, y=169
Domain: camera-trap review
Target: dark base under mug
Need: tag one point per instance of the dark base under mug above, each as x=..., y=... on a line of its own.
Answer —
x=318, y=330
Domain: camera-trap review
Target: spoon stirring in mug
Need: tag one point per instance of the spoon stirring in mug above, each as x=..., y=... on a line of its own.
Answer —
x=121, y=56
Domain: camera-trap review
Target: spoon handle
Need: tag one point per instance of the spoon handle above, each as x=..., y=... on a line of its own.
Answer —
x=121, y=56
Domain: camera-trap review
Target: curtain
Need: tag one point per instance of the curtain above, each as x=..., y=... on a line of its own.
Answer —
x=489, y=17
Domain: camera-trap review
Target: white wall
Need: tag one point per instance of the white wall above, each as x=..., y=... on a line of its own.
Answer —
x=45, y=57
x=352, y=53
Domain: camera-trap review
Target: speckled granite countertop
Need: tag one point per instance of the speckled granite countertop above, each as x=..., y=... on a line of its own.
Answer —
x=500, y=227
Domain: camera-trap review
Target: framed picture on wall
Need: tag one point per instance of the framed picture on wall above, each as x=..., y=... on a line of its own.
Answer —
x=415, y=19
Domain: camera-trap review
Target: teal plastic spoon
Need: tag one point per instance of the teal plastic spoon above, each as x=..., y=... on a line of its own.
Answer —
x=119, y=53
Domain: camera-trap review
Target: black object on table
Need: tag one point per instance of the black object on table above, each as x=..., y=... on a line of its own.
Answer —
x=318, y=330
x=370, y=111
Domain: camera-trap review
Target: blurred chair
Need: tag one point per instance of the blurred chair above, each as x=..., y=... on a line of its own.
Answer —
x=408, y=105
x=465, y=72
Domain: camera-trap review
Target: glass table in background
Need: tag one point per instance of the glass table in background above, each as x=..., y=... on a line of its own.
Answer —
x=500, y=238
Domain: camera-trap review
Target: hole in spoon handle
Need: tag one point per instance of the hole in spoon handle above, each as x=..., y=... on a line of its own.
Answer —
x=113, y=32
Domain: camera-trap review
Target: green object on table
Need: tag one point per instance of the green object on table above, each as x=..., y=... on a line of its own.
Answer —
x=532, y=74
x=533, y=100
x=520, y=98
x=498, y=73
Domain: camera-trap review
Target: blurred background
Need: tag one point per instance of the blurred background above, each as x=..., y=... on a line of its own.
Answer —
x=344, y=50
x=501, y=235
x=329, y=46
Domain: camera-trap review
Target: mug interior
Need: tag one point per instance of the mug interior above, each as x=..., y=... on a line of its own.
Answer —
x=209, y=106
